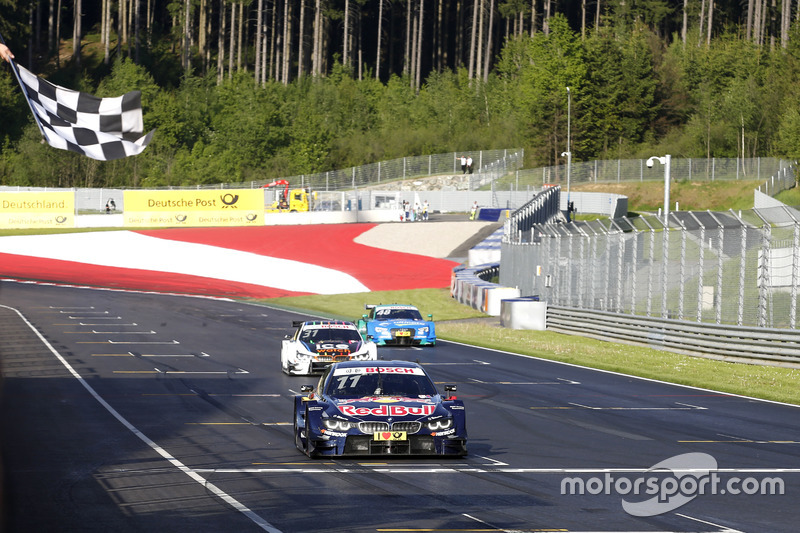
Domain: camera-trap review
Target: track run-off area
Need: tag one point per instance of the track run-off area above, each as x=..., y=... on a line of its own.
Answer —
x=125, y=408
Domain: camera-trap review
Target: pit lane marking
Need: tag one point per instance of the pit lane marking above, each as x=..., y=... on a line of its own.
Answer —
x=572, y=405
x=560, y=381
x=109, y=341
x=151, y=332
x=732, y=439
x=475, y=362
x=92, y=324
x=131, y=354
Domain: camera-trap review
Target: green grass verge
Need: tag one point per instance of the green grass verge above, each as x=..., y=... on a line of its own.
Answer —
x=453, y=323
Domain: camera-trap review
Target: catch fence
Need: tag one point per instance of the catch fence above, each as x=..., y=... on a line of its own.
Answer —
x=739, y=268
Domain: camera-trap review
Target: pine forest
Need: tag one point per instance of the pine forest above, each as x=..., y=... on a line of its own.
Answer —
x=260, y=89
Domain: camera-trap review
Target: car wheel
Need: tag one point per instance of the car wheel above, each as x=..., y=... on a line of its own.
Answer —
x=298, y=438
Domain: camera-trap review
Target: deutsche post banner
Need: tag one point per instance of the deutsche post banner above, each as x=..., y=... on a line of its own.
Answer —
x=37, y=209
x=226, y=207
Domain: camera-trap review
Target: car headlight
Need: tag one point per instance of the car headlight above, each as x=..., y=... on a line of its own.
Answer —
x=303, y=355
x=440, y=424
x=422, y=331
x=381, y=330
x=337, y=424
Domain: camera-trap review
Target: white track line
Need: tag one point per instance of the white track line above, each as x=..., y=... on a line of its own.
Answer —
x=230, y=500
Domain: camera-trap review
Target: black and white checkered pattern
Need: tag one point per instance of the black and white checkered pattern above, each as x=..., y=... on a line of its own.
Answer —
x=100, y=128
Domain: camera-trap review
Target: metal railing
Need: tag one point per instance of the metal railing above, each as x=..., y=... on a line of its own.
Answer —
x=768, y=346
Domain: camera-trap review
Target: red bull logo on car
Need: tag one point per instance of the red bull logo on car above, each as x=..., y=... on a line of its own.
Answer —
x=387, y=410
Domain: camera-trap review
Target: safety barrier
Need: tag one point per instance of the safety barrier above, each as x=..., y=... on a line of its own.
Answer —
x=756, y=345
x=470, y=286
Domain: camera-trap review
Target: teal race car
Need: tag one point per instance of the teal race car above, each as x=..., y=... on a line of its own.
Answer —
x=397, y=325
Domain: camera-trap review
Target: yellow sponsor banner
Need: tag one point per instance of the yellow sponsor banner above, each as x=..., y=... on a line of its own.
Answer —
x=37, y=209
x=228, y=207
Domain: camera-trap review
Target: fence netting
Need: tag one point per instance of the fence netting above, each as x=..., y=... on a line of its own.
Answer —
x=738, y=268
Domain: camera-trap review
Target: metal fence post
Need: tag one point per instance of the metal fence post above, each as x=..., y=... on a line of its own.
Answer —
x=763, y=277
x=795, y=275
x=664, y=269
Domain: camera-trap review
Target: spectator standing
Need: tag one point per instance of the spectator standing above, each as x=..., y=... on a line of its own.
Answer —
x=474, y=210
x=425, y=209
x=469, y=165
x=464, y=164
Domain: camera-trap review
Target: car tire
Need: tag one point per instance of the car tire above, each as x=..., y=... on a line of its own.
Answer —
x=298, y=439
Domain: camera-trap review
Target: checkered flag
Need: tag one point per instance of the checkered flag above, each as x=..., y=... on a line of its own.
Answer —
x=100, y=128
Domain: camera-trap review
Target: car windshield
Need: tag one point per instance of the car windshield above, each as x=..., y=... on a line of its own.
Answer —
x=361, y=385
x=394, y=314
x=325, y=335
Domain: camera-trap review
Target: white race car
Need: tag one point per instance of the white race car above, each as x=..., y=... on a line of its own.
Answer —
x=317, y=344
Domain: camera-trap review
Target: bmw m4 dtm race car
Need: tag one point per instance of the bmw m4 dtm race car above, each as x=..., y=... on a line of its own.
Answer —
x=378, y=408
x=395, y=324
x=316, y=344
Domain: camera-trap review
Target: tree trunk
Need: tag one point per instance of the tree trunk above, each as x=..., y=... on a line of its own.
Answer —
x=418, y=75
x=597, y=17
x=412, y=69
x=187, y=32
x=221, y=43
x=346, y=34
x=105, y=20
x=488, y=54
x=51, y=28
x=232, y=43
x=257, y=46
x=471, y=68
x=202, y=33
x=685, y=27
x=239, y=38
x=407, y=57
x=76, y=32
x=546, y=23
x=287, y=41
x=317, y=42
x=710, y=21
x=702, y=20
x=301, y=39
x=136, y=26
x=58, y=35
x=378, y=50
x=479, y=42
x=583, y=19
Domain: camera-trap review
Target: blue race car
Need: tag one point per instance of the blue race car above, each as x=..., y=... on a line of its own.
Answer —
x=378, y=408
x=400, y=325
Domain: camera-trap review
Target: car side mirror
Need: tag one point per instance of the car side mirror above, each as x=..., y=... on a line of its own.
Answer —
x=450, y=389
x=306, y=388
x=430, y=317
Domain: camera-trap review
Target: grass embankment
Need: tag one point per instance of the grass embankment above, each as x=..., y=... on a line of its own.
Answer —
x=771, y=383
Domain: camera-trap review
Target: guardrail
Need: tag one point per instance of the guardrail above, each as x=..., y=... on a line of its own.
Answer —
x=742, y=344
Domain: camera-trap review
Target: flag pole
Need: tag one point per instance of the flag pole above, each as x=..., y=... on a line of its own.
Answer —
x=24, y=92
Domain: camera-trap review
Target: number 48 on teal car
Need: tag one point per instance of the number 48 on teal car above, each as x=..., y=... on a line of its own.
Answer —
x=397, y=325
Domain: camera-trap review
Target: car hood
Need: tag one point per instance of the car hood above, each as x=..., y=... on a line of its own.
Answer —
x=332, y=348
x=402, y=322
x=385, y=407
